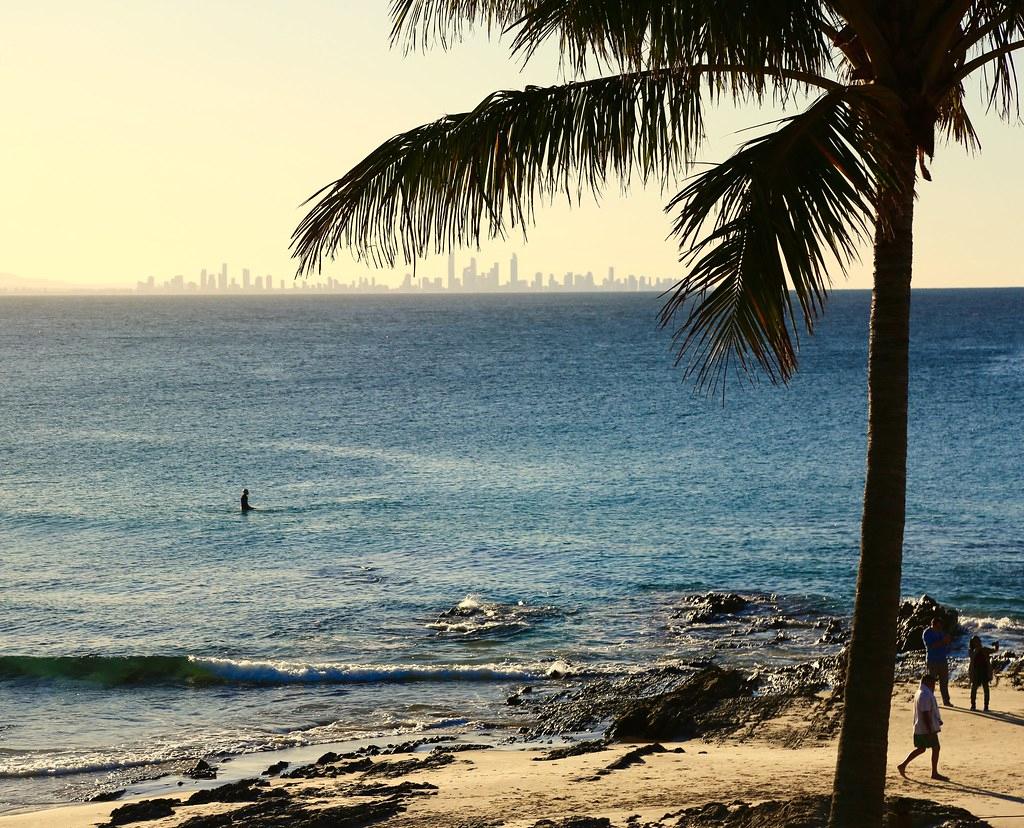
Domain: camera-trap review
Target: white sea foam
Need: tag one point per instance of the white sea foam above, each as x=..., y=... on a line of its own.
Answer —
x=1005, y=625
x=279, y=672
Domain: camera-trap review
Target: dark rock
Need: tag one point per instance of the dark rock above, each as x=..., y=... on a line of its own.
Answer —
x=321, y=770
x=676, y=715
x=284, y=813
x=379, y=789
x=414, y=745
x=633, y=757
x=329, y=766
x=812, y=812
x=577, y=749
x=107, y=796
x=582, y=708
x=461, y=748
x=275, y=769
x=514, y=701
x=834, y=633
x=404, y=767
x=201, y=770
x=142, y=811
x=915, y=617
x=713, y=605
x=805, y=679
x=244, y=790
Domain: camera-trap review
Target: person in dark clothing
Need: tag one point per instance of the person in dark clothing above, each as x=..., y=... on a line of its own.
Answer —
x=245, y=501
x=936, y=644
x=980, y=671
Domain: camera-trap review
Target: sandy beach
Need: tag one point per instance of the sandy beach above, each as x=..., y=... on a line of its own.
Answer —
x=980, y=754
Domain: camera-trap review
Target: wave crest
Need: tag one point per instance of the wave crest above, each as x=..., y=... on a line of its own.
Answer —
x=115, y=671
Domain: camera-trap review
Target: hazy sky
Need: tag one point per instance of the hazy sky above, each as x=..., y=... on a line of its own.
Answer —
x=162, y=136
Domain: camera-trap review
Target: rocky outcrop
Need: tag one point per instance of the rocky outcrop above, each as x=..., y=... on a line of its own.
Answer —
x=143, y=811
x=678, y=714
x=244, y=790
x=633, y=757
x=201, y=770
x=575, y=822
x=713, y=605
x=812, y=812
x=285, y=813
x=915, y=616
x=577, y=749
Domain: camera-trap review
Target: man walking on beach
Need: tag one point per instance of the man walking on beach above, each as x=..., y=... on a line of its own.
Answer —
x=927, y=725
x=936, y=644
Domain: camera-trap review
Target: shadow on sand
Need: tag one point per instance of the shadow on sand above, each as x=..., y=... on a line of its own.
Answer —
x=1007, y=718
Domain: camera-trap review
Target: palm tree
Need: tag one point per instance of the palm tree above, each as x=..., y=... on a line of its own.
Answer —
x=873, y=82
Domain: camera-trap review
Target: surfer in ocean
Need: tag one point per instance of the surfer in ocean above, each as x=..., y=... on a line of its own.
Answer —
x=245, y=502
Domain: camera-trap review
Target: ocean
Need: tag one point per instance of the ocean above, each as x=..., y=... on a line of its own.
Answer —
x=457, y=495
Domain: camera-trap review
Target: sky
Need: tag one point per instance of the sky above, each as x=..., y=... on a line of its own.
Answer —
x=157, y=137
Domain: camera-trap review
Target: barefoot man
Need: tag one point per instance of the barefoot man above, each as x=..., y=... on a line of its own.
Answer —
x=927, y=725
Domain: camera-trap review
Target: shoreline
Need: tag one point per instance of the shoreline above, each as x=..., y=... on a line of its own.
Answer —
x=720, y=700
x=509, y=787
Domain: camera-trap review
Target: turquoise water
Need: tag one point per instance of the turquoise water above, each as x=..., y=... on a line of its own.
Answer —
x=534, y=459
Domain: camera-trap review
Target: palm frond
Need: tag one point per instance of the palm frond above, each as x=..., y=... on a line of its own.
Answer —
x=994, y=30
x=789, y=34
x=764, y=223
x=463, y=177
x=955, y=122
x=424, y=23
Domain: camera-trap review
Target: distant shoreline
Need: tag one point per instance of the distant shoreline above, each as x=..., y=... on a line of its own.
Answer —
x=298, y=292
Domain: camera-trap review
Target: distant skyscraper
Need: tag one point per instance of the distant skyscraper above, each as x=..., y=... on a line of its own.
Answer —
x=245, y=278
x=451, y=271
x=513, y=271
x=222, y=278
x=469, y=280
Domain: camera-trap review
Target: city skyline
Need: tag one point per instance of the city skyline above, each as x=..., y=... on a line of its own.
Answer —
x=147, y=180
x=467, y=279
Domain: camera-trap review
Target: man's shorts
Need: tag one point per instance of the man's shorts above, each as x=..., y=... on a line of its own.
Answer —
x=926, y=740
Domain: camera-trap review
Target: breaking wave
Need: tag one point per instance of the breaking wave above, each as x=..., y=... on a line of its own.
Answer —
x=115, y=671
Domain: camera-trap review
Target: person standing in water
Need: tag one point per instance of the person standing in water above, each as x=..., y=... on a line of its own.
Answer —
x=245, y=501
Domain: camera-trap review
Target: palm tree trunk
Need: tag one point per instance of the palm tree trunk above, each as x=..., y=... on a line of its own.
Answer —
x=858, y=792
